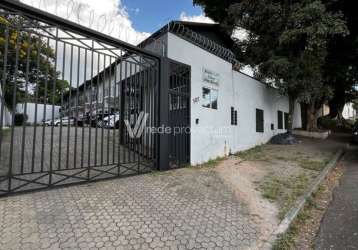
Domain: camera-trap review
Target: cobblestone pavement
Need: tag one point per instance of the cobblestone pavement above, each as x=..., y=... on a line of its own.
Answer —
x=179, y=209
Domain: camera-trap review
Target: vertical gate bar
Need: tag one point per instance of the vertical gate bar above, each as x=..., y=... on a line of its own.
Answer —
x=121, y=112
x=177, y=118
x=109, y=106
x=103, y=106
x=25, y=104
x=164, y=113
x=36, y=102
x=69, y=110
x=116, y=111
x=125, y=111
x=151, y=89
x=96, y=114
x=131, y=107
x=76, y=119
x=136, y=103
x=154, y=111
x=62, y=106
x=148, y=99
x=90, y=116
x=145, y=95
x=4, y=76
x=14, y=107
x=53, y=106
x=141, y=86
x=45, y=106
x=84, y=110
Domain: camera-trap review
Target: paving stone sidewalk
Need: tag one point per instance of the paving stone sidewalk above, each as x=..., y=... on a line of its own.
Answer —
x=181, y=209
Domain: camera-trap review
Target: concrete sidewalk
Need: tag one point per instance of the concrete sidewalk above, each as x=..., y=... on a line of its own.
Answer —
x=339, y=227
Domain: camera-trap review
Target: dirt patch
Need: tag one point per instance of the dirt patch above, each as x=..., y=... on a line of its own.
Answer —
x=270, y=178
x=241, y=178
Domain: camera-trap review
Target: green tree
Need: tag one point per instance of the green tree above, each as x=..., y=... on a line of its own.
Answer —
x=341, y=67
x=286, y=44
x=33, y=59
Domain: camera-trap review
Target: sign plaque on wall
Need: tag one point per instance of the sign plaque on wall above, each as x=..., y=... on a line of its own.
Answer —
x=210, y=76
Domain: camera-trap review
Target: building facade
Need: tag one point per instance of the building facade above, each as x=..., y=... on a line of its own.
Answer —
x=229, y=110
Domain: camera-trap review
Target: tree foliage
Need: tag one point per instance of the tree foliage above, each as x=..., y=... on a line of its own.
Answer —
x=341, y=67
x=30, y=64
x=287, y=43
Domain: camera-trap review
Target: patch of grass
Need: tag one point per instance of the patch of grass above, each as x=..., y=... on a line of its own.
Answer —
x=254, y=154
x=287, y=240
x=296, y=188
x=284, y=191
x=316, y=165
x=272, y=188
x=211, y=163
x=5, y=131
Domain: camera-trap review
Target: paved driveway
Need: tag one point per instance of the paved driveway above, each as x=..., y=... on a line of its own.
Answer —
x=180, y=209
x=70, y=150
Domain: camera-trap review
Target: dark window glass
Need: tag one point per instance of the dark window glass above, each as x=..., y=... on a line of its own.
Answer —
x=259, y=121
x=232, y=116
x=214, y=99
x=279, y=119
x=286, y=120
x=206, y=98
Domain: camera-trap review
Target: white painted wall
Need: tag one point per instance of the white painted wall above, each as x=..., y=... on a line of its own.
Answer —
x=214, y=136
x=31, y=110
x=6, y=114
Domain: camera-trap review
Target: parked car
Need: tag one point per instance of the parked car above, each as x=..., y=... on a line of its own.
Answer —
x=96, y=119
x=65, y=121
x=48, y=122
x=355, y=132
x=111, y=121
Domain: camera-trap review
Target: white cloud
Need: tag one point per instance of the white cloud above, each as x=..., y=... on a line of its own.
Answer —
x=199, y=18
x=107, y=16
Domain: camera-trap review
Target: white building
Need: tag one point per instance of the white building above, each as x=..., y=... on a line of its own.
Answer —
x=229, y=110
x=217, y=89
x=349, y=112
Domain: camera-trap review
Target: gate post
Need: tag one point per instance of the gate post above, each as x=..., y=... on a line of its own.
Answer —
x=163, y=154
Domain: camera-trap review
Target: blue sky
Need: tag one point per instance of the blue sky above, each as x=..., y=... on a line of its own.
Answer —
x=149, y=15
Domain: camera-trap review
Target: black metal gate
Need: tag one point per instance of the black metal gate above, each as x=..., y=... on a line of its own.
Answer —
x=179, y=114
x=80, y=103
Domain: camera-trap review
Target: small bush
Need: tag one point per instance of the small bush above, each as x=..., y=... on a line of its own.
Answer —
x=327, y=123
x=20, y=119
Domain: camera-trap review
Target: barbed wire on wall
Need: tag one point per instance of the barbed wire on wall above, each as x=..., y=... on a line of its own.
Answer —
x=159, y=46
x=203, y=41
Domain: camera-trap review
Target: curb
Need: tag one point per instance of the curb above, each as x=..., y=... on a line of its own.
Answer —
x=293, y=212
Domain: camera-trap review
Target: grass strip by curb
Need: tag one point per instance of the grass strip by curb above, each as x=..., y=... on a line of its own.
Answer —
x=294, y=212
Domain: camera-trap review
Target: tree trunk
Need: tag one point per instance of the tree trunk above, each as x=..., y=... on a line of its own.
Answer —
x=291, y=111
x=312, y=118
